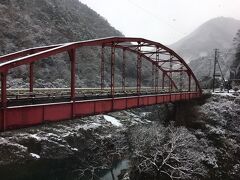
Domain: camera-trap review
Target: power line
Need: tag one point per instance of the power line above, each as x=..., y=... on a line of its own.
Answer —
x=156, y=17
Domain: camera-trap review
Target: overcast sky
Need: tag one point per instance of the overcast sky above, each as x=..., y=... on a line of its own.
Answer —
x=165, y=21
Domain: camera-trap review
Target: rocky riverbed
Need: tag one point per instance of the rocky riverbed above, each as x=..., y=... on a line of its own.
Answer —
x=187, y=140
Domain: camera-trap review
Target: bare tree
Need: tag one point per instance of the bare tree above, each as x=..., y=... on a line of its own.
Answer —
x=166, y=152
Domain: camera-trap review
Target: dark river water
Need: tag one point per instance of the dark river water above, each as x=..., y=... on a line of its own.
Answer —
x=116, y=170
x=54, y=171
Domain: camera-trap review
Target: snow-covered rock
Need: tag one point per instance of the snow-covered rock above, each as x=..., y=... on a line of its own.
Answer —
x=112, y=120
x=36, y=156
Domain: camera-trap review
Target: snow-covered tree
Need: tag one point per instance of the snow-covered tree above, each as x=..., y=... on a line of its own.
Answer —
x=167, y=153
x=236, y=63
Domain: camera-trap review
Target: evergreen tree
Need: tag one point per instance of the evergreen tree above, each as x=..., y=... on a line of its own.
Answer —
x=235, y=68
x=237, y=44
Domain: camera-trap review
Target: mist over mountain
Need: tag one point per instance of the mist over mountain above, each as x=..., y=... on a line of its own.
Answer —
x=197, y=49
x=215, y=33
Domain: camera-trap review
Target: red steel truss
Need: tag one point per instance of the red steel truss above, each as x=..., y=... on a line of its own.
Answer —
x=164, y=62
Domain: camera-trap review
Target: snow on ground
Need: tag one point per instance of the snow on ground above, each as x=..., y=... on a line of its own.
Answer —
x=90, y=126
x=223, y=93
x=35, y=136
x=74, y=149
x=143, y=114
x=35, y=155
x=112, y=120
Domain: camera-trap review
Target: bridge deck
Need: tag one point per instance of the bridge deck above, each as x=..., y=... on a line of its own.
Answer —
x=18, y=97
x=33, y=111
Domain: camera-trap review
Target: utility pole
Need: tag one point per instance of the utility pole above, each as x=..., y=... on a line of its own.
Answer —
x=216, y=62
x=214, y=67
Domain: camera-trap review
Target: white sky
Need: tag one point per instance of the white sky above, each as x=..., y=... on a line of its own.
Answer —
x=165, y=21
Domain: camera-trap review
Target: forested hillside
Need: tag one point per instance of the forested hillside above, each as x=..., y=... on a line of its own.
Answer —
x=235, y=67
x=30, y=23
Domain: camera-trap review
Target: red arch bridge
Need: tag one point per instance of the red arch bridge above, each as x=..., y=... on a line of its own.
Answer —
x=171, y=80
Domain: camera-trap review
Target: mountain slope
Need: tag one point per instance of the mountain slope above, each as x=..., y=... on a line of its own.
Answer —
x=30, y=23
x=215, y=33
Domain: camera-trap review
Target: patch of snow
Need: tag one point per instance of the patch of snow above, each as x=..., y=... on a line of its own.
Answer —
x=51, y=134
x=35, y=155
x=112, y=120
x=106, y=136
x=144, y=114
x=35, y=137
x=89, y=126
x=138, y=120
x=223, y=93
x=231, y=91
x=4, y=141
x=109, y=136
x=131, y=114
x=67, y=134
x=147, y=121
x=74, y=149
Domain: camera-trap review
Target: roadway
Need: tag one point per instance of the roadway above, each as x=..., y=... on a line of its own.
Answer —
x=22, y=96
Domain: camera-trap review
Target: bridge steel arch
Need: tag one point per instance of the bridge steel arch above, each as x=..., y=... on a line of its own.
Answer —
x=162, y=58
